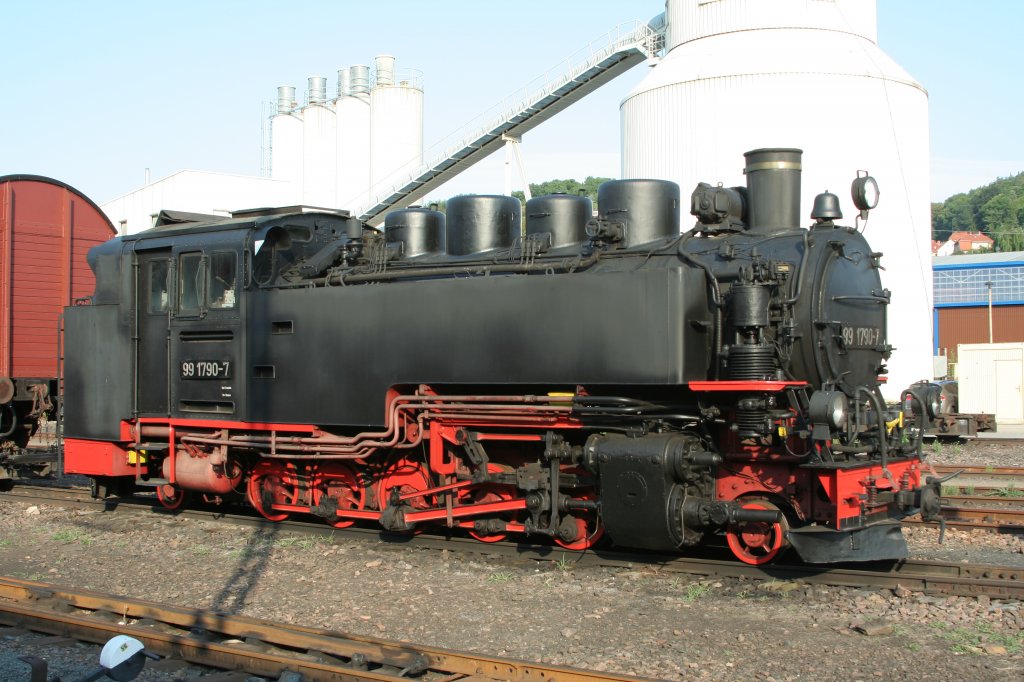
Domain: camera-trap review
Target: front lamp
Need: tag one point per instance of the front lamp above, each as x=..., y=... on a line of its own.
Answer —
x=829, y=407
x=865, y=192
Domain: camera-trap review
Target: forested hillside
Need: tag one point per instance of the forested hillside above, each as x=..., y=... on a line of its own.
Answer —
x=589, y=187
x=997, y=209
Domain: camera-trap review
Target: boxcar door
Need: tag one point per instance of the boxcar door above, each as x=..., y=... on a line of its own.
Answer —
x=153, y=308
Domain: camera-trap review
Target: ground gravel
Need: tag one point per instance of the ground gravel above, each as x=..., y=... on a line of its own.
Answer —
x=975, y=453
x=639, y=621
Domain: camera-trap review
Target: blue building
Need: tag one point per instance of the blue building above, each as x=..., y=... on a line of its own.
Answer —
x=977, y=299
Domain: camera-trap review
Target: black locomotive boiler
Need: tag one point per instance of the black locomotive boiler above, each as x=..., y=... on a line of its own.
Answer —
x=566, y=376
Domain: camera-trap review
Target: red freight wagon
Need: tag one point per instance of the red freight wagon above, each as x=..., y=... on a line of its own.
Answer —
x=46, y=230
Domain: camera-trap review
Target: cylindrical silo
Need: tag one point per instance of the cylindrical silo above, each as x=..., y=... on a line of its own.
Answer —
x=319, y=147
x=749, y=74
x=352, y=109
x=396, y=126
x=286, y=138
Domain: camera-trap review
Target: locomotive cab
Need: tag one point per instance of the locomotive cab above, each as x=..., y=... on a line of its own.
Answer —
x=164, y=339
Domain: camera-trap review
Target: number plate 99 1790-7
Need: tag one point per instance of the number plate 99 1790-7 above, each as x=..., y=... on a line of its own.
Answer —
x=205, y=369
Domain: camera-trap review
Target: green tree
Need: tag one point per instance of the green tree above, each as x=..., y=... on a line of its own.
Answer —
x=1000, y=212
x=954, y=214
x=587, y=187
x=1010, y=239
x=996, y=209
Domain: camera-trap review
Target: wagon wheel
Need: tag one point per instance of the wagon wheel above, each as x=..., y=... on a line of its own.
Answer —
x=170, y=496
x=758, y=542
x=337, y=482
x=274, y=483
x=490, y=492
x=582, y=528
x=403, y=477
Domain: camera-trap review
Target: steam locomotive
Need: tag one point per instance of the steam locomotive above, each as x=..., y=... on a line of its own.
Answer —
x=588, y=379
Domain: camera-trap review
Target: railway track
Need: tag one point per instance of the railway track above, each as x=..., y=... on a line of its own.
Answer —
x=998, y=514
x=1001, y=520
x=38, y=494
x=253, y=646
x=1007, y=473
x=984, y=440
x=926, y=576
x=1007, y=482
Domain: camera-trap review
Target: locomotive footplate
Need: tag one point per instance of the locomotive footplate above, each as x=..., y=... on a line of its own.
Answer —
x=820, y=545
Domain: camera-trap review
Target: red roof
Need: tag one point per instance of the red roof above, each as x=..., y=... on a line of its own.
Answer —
x=970, y=237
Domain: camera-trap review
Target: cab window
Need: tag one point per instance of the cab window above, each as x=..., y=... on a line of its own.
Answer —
x=190, y=283
x=222, y=281
x=158, y=302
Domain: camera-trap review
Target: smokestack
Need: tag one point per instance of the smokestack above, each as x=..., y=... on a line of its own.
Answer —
x=773, y=189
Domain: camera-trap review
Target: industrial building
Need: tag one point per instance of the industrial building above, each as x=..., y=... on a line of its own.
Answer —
x=326, y=153
x=744, y=74
x=979, y=298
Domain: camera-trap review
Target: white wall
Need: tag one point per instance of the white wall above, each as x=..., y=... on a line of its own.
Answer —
x=197, y=192
x=990, y=377
x=830, y=92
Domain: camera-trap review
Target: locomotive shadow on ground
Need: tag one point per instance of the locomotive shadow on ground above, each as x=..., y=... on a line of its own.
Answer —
x=249, y=570
x=251, y=565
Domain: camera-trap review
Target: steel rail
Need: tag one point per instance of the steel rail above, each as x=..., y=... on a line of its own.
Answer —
x=997, y=472
x=998, y=501
x=982, y=479
x=256, y=646
x=50, y=495
x=985, y=440
x=989, y=515
x=961, y=523
x=982, y=512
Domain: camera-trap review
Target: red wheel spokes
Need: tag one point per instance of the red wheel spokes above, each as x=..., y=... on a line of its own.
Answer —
x=407, y=477
x=490, y=492
x=273, y=481
x=759, y=542
x=338, y=482
x=171, y=497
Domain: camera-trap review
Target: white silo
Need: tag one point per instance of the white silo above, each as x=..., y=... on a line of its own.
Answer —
x=352, y=109
x=396, y=125
x=286, y=139
x=319, y=147
x=746, y=74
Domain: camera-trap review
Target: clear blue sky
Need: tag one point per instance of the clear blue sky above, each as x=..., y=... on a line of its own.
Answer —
x=94, y=93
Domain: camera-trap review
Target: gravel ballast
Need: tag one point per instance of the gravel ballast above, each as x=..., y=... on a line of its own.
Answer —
x=639, y=621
